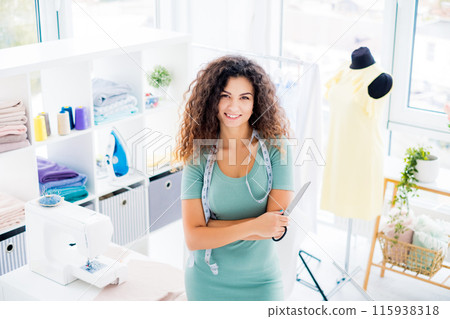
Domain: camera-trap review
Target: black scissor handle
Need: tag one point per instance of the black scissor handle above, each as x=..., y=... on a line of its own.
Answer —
x=278, y=239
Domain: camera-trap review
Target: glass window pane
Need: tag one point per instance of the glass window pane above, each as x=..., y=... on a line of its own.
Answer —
x=430, y=79
x=17, y=23
x=329, y=31
x=95, y=17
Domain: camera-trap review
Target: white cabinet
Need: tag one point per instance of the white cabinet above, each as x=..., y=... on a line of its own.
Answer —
x=66, y=69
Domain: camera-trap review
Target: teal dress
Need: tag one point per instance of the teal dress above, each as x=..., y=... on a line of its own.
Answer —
x=248, y=270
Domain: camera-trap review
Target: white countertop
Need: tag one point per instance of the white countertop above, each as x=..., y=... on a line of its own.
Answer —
x=165, y=282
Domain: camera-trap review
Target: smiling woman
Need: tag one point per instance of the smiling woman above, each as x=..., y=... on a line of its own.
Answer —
x=234, y=189
x=236, y=102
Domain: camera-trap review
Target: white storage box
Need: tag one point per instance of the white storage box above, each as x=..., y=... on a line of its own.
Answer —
x=12, y=250
x=127, y=211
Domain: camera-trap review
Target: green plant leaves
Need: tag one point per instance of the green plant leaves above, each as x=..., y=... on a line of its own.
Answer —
x=159, y=77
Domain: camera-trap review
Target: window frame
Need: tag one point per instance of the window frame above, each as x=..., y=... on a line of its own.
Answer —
x=400, y=116
x=55, y=19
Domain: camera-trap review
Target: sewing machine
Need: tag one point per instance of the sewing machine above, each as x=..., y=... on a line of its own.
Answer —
x=64, y=243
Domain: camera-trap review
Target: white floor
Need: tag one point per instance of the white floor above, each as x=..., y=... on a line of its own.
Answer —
x=392, y=287
x=167, y=245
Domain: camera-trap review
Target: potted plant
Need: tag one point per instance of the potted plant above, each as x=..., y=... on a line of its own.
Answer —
x=160, y=79
x=426, y=165
x=400, y=217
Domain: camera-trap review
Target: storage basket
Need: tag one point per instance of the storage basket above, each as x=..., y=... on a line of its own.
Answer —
x=12, y=250
x=127, y=211
x=164, y=199
x=414, y=258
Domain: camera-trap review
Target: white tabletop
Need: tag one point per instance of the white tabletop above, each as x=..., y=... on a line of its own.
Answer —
x=24, y=284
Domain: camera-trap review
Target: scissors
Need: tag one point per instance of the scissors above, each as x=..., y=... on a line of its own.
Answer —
x=291, y=207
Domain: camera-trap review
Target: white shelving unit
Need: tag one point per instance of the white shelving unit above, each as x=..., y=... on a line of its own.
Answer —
x=66, y=69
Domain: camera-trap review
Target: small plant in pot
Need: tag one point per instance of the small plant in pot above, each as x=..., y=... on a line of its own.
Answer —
x=427, y=165
x=160, y=79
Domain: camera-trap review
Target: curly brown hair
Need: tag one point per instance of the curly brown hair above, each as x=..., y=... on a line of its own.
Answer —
x=200, y=115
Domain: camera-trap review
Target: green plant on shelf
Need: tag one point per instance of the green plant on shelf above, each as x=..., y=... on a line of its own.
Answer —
x=159, y=77
x=406, y=189
x=407, y=186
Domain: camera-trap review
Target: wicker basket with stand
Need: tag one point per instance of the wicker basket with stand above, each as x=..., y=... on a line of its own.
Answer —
x=414, y=258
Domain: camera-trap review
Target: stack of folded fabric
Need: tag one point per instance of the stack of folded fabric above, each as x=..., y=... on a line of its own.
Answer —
x=60, y=180
x=12, y=211
x=112, y=101
x=13, y=132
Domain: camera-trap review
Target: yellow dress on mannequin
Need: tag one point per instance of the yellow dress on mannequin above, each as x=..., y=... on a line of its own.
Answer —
x=353, y=175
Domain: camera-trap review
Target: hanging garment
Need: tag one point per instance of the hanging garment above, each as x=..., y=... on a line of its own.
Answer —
x=301, y=100
x=302, y=103
x=353, y=175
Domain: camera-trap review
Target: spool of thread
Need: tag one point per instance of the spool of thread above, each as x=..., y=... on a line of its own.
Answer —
x=63, y=123
x=81, y=118
x=40, y=133
x=47, y=123
x=68, y=109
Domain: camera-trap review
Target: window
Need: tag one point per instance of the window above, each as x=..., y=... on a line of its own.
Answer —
x=420, y=67
x=329, y=31
x=430, y=77
x=17, y=23
x=97, y=17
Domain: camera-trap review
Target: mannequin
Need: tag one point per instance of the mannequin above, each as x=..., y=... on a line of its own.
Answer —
x=362, y=58
x=353, y=177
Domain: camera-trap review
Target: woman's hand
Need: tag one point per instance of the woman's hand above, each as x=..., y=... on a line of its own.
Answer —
x=270, y=224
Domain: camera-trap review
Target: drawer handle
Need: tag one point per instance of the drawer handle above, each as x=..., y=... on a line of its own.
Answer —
x=168, y=184
x=124, y=202
x=10, y=248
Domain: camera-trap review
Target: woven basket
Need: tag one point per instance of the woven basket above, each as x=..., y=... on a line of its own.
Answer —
x=417, y=259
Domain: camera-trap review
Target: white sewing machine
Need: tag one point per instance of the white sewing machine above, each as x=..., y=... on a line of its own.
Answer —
x=64, y=243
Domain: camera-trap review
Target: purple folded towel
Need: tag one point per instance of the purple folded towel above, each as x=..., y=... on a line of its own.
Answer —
x=49, y=171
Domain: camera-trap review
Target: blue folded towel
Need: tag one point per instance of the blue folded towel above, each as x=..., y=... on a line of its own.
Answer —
x=100, y=119
x=70, y=194
x=106, y=92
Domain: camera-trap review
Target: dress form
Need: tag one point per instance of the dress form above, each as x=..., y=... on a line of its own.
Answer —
x=355, y=95
x=362, y=58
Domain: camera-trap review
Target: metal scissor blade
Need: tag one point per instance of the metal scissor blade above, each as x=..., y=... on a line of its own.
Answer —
x=296, y=199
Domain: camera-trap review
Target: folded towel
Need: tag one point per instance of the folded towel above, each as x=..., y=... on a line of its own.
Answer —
x=12, y=138
x=80, y=180
x=5, y=147
x=70, y=194
x=49, y=171
x=122, y=105
x=11, y=211
x=21, y=120
x=9, y=103
x=15, y=119
x=115, y=117
x=105, y=92
x=13, y=114
x=18, y=107
x=13, y=129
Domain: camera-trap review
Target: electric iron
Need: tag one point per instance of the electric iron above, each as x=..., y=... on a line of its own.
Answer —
x=117, y=157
